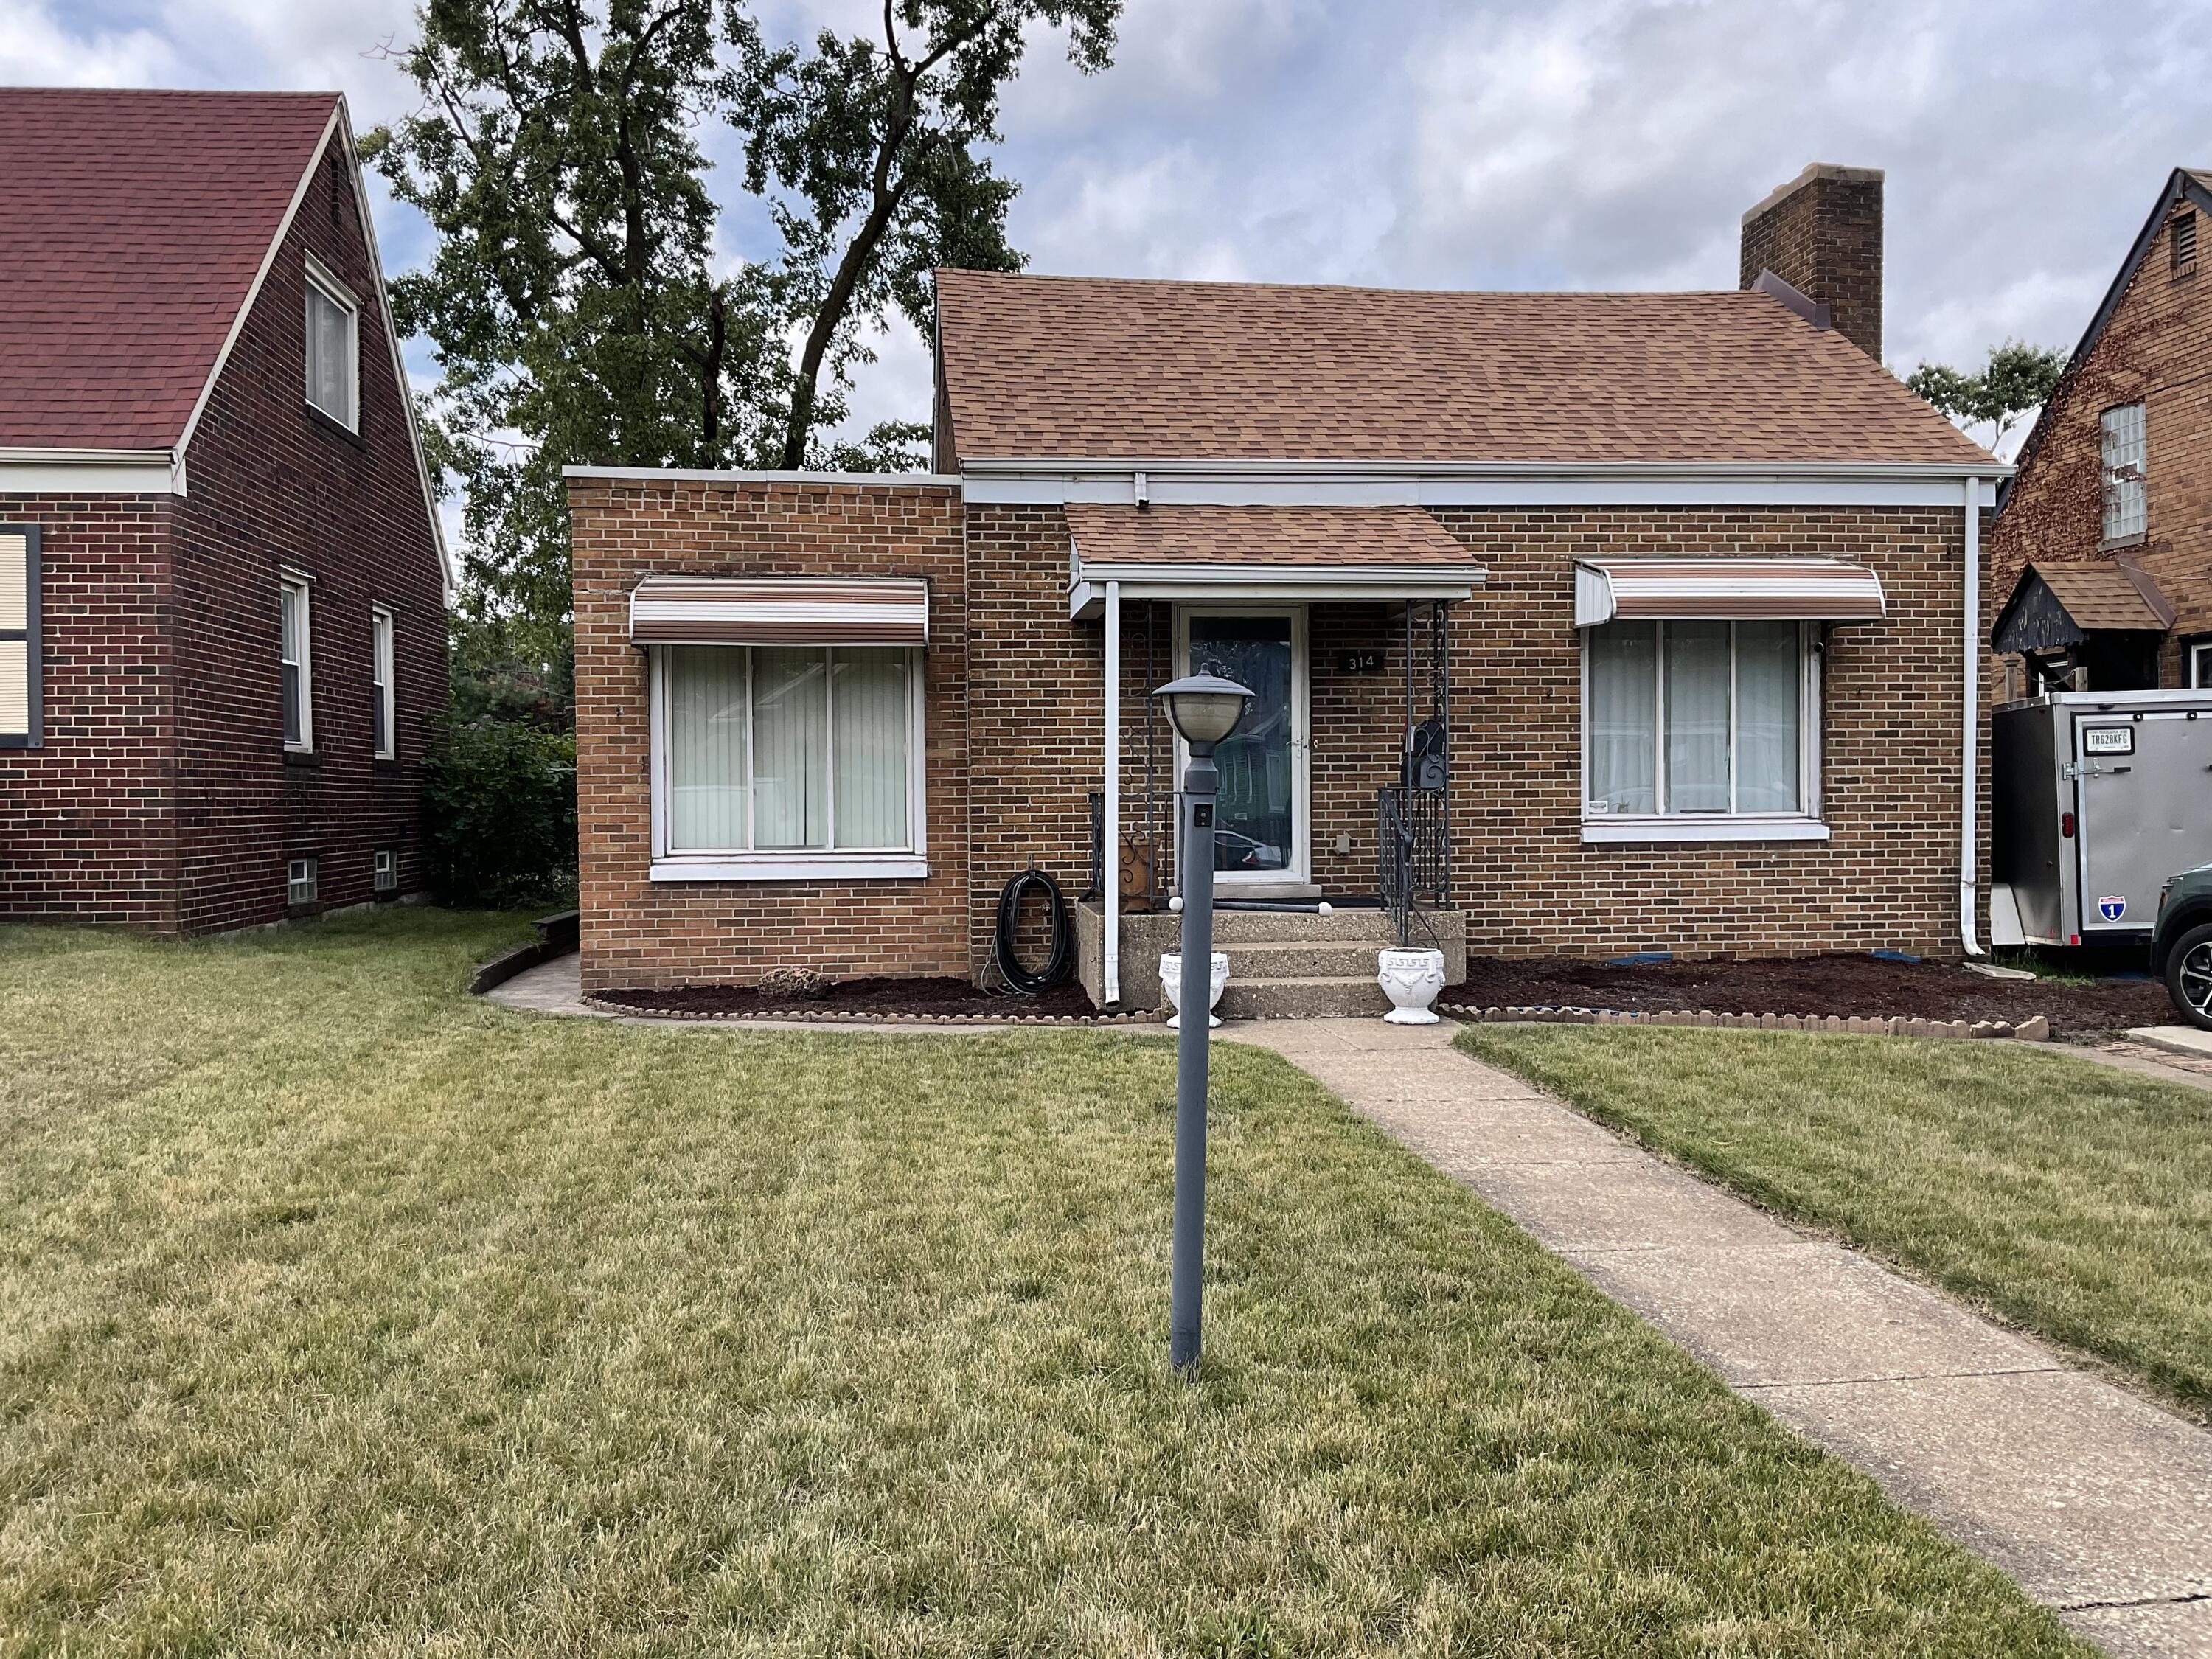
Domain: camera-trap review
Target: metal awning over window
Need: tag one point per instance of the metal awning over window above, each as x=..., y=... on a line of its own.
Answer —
x=1725, y=590
x=778, y=611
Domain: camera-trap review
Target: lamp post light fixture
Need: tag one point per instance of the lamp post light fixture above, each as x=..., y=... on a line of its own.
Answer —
x=1205, y=709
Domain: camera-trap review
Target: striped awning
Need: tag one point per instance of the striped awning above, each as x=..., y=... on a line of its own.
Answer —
x=780, y=611
x=1725, y=590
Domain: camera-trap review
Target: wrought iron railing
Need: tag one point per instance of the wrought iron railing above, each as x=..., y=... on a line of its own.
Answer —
x=1411, y=842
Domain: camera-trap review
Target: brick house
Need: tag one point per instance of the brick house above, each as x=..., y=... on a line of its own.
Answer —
x=223, y=583
x=1650, y=619
x=2101, y=554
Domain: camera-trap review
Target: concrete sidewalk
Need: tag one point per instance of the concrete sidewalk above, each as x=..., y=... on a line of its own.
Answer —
x=2099, y=1503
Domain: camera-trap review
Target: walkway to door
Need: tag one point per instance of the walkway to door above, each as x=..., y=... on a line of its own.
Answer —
x=2097, y=1502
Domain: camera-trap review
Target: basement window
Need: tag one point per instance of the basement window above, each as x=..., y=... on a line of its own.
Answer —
x=299, y=882
x=386, y=868
x=2127, y=498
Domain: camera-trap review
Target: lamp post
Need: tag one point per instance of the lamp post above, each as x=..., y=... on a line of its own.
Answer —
x=1205, y=709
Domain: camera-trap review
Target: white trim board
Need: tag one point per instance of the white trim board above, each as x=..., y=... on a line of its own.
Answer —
x=1260, y=484
x=91, y=473
x=722, y=475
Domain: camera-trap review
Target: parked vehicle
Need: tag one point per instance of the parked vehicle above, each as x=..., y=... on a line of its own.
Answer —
x=2181, y=944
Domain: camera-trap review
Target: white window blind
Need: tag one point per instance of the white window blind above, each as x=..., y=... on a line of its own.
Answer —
x=787, y=749
x=1697, y=718
x=19, y=636
x=2127, y=501
x=379, y=682
x=333, y=350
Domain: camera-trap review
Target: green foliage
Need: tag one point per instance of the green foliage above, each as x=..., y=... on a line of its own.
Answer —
x=866, y=150
x=2017, y=378
x=499, y=814
x=579, y=307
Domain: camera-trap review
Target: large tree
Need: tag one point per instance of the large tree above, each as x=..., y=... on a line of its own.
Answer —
x=2016, y=381
x=577, y=303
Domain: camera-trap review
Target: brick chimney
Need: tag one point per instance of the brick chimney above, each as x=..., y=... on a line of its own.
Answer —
x=1821, y=233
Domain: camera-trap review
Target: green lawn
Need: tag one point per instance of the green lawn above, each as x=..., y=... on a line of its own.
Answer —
x=341, y=1314
x=2069, y=1197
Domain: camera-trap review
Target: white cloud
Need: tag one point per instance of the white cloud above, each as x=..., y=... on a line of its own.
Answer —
x=37, y=51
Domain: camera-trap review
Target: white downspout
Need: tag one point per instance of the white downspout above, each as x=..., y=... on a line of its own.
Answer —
x=1969, y=811
x=1111, y=875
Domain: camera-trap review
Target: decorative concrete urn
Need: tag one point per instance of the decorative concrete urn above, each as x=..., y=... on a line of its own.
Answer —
x=1171, y=982
x=1411, y=979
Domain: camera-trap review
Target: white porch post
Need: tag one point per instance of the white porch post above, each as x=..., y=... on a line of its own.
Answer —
x=1112, y=874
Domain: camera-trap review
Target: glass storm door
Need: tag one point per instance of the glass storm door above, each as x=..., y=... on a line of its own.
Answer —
x=1260, y=817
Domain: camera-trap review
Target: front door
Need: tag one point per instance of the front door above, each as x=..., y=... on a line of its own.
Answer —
x=1260, y=817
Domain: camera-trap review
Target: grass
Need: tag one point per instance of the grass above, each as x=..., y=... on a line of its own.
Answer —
x=339, y=1313
x=2070, y=1199
x=2045, y=965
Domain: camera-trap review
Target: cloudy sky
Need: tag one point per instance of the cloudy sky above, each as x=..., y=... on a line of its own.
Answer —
x=1581, y=143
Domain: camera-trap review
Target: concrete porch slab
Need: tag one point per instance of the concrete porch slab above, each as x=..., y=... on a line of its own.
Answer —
x=2175, y=1039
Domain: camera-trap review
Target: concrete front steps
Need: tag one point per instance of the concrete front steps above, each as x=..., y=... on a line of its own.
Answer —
x=1282, y=964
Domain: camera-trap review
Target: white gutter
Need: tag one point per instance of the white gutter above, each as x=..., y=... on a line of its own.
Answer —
x=1111, y=876
x=1970, y=778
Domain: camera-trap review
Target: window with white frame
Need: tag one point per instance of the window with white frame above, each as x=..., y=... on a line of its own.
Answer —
x=2127, y=500
x=1696, y=721
x=333, y=349
x=19, y=664
x=771, y=758
x=380, y=703
x=2200, y=662
x=299, y=882
x=296, y=654
x=384, y=871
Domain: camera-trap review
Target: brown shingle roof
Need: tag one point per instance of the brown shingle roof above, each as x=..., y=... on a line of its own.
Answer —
x=1042, y=366
x=2102, y=595
x=134, y=224
x=1296, y=537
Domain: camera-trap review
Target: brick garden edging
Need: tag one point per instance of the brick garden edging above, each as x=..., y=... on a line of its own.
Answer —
x=2036, y=1029
x=879, y=1017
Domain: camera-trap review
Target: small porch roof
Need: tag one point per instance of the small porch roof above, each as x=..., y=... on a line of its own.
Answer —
x=2055, y=606
x=1279, y=553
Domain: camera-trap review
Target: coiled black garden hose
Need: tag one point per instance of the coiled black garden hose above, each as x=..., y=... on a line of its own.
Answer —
x=1008, y=966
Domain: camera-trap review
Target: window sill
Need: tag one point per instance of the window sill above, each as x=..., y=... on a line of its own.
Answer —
x=862, y=866
x=1697, y=830
x=2121, y=544
x=301, y=757
x=331, y=427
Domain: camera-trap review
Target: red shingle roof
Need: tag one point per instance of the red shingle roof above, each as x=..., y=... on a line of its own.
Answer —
x=134, y=222
x=1320, y=537
x=1049, y=366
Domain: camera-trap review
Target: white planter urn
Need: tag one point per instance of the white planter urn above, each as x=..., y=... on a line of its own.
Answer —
x=1171, y=982
x=1411, y=979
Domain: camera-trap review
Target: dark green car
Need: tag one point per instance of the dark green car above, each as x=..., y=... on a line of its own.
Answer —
x=2181, y=943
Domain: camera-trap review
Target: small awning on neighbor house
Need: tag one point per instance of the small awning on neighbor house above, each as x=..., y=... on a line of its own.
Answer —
x=775, y=611
x=1724, y=590
x=1281, y=554
x=2057, y=606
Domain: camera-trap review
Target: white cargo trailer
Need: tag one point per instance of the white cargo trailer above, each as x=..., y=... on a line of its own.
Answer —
x=2098, y=797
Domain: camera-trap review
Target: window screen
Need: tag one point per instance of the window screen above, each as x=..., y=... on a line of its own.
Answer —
x=332, y=356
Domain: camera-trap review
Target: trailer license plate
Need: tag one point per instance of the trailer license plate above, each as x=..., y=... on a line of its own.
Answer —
x=2108, y=740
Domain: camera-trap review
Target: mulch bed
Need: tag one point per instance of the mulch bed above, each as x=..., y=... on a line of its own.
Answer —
x=878, y=998
x=1864, y=986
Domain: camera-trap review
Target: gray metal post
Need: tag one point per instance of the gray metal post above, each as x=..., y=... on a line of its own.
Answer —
x=1195, y=877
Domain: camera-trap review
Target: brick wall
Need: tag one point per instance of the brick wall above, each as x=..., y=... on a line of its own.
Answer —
x=88, y=823
x=1821, y=233
x=2156, y=349
x=1889, y=875
x=162, y=797
x=274, y=483
x=637, y=932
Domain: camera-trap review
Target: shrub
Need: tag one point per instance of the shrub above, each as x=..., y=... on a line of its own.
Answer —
x=498, y=805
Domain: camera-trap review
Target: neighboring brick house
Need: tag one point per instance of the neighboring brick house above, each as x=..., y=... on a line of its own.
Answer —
x=1679, y=588
x=222, y=585
x=2101, y=554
